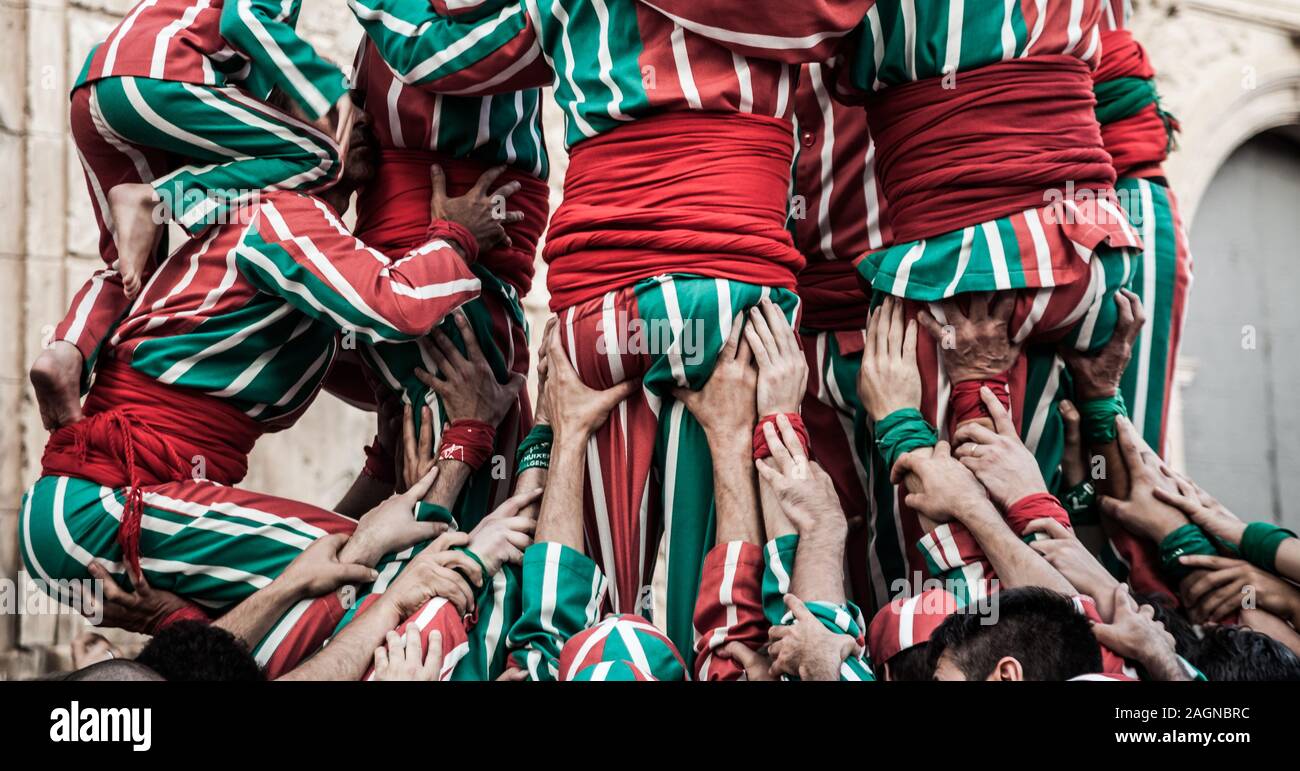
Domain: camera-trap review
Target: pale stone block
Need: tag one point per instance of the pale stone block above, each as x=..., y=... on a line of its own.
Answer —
x=47, y=196
x=47, y=80
x=13, y=40
x=12, y=196
x=11, y=320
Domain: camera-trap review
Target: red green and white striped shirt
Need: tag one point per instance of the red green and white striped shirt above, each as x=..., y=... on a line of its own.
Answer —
x=495, y=128
x=252, y=43
x=901, y=41
x=612, y=62
x=252, y=313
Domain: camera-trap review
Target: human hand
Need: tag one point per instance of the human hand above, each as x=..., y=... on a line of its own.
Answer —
x=889, y=379
x=782, y=369
x=437, y=571
x=139, y=610
x=574, y=408
x=391, y=526
x=1097, y=375
x=503, y=535
x=1142, y=512
x=948, y=489
x=477, y=210
x=1223, y=586
x=465, y=382
x=804, y=491
x=317, y=570
x=725, y=406
x=976, y=344
x=999, y=460
x=401, y=658
x=1063, y=551
x=805, y=648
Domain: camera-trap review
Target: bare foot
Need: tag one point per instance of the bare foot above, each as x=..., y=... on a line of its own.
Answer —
x=138, y=230
x=56, y=376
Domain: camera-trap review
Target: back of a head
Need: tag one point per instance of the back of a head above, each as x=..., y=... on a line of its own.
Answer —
x=1226, y=653
x=911, y=665
x=1039, y=628
x=116, y=670
x=197, y=652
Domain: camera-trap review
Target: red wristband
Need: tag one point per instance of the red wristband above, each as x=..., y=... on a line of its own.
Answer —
x=468, y=441
x=967, y=404
x=454, y=231
x=1036, y=506
x=761, y=450
x=379, y=464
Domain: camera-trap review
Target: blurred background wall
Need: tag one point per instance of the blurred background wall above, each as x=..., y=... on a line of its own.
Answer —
x=1229, y=69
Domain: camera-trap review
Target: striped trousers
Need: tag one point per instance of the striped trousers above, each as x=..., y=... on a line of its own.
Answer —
x=211, y=544
x=649, y=495
x=840, y=432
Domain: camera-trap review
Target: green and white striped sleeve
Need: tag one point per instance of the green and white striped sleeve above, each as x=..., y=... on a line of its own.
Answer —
x=265, y=31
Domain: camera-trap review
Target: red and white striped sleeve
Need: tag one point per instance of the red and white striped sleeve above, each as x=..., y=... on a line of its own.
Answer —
x=298, y=248
x=807, y=31
x=437, y=615
x=95, y=308
x=729, y=608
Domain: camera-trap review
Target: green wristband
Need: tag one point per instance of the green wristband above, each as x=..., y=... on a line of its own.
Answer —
x=902, y=431
x=1097, y=419
x=535, y=450
x=1079, y=502
x=432, y=512
x=1188, y=539
x=1260, y=542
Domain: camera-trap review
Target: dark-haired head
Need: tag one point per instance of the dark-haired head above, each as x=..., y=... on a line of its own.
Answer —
x=197, y=652
x=1029, y=633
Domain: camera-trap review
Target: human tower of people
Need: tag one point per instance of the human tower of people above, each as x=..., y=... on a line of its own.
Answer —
x=864, y=321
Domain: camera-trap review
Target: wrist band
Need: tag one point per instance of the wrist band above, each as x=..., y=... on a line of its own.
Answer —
x=468, y=441
x=967, y=404
x=445, y=230
x=379, y=464
x=1035, y=506
x=535, y=450
x=1079, y=502
x=1188, y=539
x=761, y=450
x=902, y=431
x=1260, y=542
x=1097, y=418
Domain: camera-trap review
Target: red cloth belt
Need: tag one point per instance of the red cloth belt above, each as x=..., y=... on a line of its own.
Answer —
x=1138, y=144
x=967, y=404
x=833, y=298
x=683, y=192
x=138, y=432
x=393, y=209
x=992, y=147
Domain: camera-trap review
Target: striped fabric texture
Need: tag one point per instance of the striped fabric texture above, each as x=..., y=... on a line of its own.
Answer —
x=250, y=43
x=499, y=128
x=253, y=314
x=649, y=57
x=233, y=144
x=729, y=609
x=649, y=516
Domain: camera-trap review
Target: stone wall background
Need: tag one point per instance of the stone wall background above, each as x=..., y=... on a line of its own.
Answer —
x=1229, y=69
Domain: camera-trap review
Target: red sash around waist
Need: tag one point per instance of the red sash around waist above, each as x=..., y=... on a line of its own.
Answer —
x=832, y=297
x=949, y=158
x=393, y=209
x=683, y=192
x=138, y=432
x=1139, y=143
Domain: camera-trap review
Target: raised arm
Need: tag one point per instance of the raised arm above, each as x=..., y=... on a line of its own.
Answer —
x=264, y=29
x=492, y=50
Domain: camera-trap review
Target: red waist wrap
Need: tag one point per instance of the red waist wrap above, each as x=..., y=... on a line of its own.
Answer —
x=1138, y=144
x=393, y=209
x=989, y=148
x=833, y=299
x=683, y=192
x=138, y=432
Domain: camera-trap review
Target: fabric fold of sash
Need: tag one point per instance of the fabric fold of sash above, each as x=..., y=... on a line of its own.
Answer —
x=700, y=193
x=1137, y=132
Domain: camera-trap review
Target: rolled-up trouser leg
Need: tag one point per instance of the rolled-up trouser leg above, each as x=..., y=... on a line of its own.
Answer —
x=649, y=473
x=209, y=543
